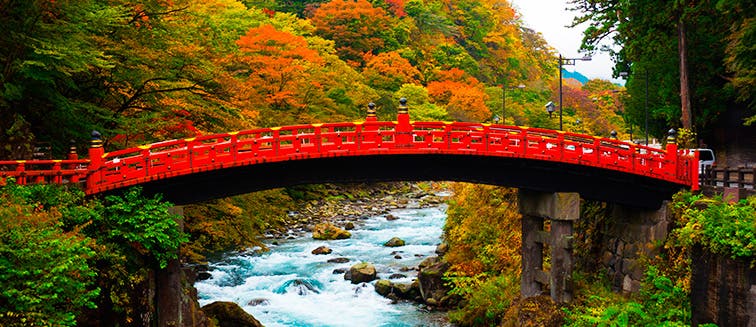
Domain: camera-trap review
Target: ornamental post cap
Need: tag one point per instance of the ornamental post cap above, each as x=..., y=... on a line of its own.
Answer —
x=671, y=135
x=371, y=109
x=614, y=134
x=403, y=106
x=96, y=135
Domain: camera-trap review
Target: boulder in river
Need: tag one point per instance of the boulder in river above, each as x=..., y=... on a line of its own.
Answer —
x=361, y=273
x=430, y=277
x=258, y=301
x=229, y=314
x=383, y=287
x=394, y=242
x=338, y=260
x=397, y=290
x=328, y=231
x=391, y=217
x=322, y=250
x=349, y=225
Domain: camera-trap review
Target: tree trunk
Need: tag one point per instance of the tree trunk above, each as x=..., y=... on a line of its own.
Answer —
x=686, y=118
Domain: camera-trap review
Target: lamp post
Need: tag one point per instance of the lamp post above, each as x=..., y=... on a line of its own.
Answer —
x=645, y=77
x=504, y=88
x=566, y=62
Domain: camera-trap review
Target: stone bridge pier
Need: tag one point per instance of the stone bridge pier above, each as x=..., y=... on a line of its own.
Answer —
x=561, y=210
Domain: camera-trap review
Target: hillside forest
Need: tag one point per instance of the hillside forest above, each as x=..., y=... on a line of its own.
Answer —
x=153, y=70
x=163, y=69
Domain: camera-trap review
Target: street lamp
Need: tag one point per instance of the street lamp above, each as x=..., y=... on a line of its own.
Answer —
x=566, y=62
x=550, y=108
x=504, y=100
x=645, y=77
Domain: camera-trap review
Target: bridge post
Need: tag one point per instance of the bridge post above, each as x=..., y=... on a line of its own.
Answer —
x=562, y=209
x=73, y=154
x=96, y=151
x=371, y=116
x=403, y=127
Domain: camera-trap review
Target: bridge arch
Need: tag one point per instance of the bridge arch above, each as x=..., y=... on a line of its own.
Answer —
x=213, y=166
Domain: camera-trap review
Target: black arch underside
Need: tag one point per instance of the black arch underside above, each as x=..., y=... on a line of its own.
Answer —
x=591, y=183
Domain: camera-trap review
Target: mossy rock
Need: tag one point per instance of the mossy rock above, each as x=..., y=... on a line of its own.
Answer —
x=230, y=314
x=394, y=242
x=328, y=231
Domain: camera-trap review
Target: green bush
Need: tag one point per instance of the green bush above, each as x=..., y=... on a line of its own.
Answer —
x=44, y=270
x=727, y=229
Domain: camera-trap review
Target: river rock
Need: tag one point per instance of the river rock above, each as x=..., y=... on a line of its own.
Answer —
x=341, y=271
x=361, y=273
x=328, y=231
x=383, y=287
x=338, y=260
x=229, y=314
x=322, y=250
x=430, y=278
x=258, y=301
x=349, y=225
x=442, y=248
x=391, y=217
x=394, y=291
x=397, y=276
x=394, y=242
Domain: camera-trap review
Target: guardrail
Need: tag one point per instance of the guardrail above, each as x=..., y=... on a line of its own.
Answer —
x=105, y=171
x=741, y=177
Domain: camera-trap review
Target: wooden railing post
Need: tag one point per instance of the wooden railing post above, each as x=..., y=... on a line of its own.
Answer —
x=96, y=160
x=403, y=127
x=73, y=155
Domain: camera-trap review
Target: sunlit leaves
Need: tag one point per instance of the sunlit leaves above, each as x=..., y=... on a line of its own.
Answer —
x=356, y=26
x=388, y=71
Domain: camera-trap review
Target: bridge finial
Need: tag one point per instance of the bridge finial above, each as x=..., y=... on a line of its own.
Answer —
x=371, y=110
x=671, y=136
x=96, y=141
x=613, y=134
x=403, y=106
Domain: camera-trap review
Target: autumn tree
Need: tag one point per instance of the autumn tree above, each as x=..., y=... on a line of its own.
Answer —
x=461, y=94
x=356, y=26
x=388, y=71
x=421, y=108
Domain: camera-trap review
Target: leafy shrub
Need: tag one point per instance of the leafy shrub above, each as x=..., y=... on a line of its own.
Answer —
x=44, y=271
x=727, y=229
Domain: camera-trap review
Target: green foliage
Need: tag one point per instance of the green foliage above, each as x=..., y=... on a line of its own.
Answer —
x=727, y=229
x=146, y=223
x=660, y=302
x=483, y=232
x=45, y=272
x=61, y=255
x=648, y=36
x=489, y=302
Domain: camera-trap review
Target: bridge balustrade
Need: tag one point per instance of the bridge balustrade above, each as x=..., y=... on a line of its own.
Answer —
x=179, y=157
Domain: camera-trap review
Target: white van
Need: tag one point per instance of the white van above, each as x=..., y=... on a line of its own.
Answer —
x=705, y=159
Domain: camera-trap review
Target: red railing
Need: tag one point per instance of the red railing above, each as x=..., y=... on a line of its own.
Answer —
x=105, y=171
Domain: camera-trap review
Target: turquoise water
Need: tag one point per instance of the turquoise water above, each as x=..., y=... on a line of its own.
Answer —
x=292, y=287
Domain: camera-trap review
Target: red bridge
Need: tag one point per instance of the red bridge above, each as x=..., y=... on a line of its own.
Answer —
x=212, y=166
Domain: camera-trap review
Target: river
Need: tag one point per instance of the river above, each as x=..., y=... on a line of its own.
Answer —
x=289, y=286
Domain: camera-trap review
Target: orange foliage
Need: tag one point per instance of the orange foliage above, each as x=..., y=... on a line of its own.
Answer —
x=463, y=96
x=356, y=26
x=483, y=230
x=468, y=104
x=389, y=71
x=278, y=65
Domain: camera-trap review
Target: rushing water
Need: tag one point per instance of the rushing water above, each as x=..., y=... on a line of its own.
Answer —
x=289, y=286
